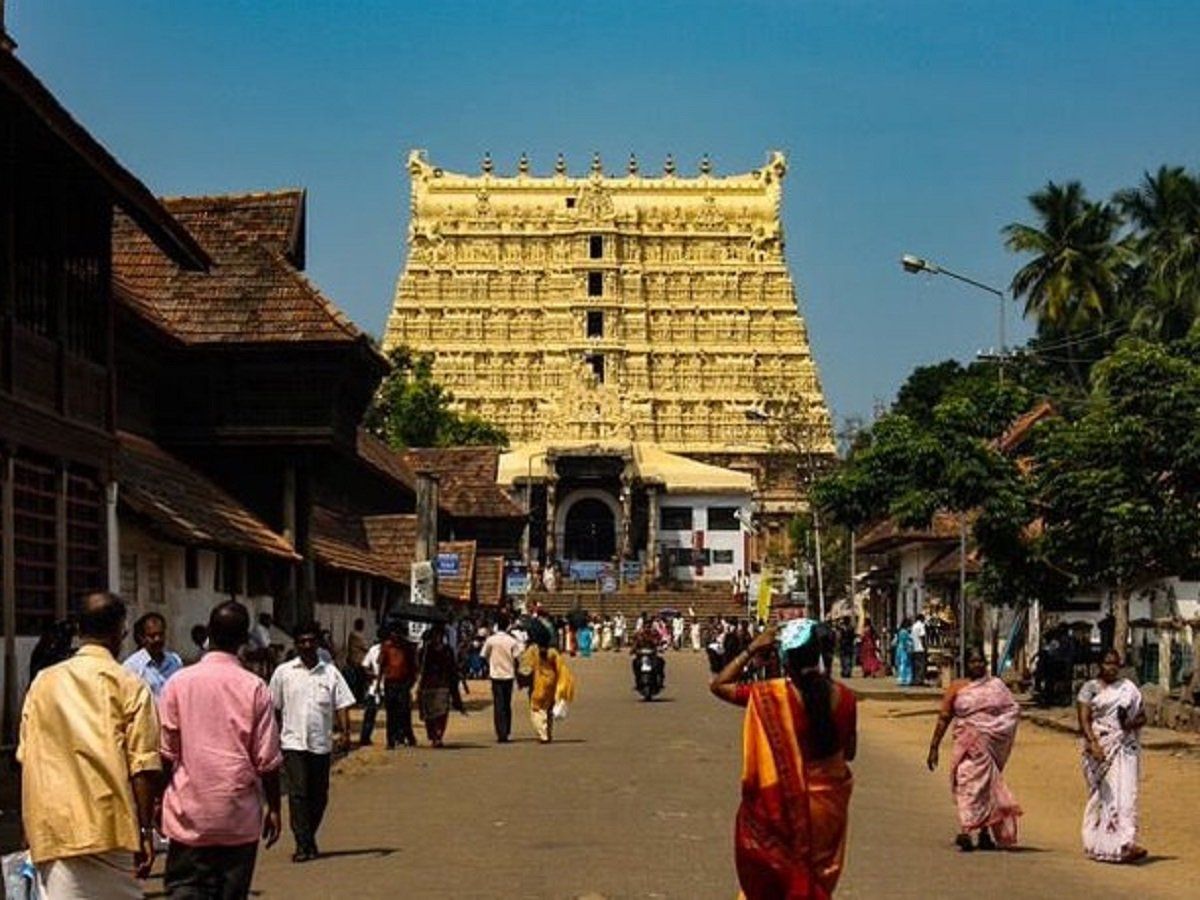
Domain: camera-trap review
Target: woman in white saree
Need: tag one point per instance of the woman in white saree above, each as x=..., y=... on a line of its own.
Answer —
x=1110, y=717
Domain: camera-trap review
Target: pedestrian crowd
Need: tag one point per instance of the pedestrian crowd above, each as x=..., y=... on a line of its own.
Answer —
x=799, y=735
x=120, y=762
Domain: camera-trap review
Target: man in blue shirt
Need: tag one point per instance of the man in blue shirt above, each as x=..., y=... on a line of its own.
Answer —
x=153, y=662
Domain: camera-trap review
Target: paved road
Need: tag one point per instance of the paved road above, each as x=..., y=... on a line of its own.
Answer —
x=638, y=800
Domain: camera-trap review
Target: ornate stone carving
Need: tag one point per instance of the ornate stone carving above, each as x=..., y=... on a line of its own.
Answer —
x=699, y=312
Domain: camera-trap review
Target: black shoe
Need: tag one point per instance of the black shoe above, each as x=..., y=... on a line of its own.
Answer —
x=964, y=843
x=301, y=856
x=985, y=840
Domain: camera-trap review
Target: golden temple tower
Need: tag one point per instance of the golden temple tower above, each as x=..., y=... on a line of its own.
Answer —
x=631, y=307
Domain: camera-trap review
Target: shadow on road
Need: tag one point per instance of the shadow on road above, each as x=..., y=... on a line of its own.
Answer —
x=366, y=851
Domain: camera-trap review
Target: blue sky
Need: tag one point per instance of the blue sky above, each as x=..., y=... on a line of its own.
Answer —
x=910, y=126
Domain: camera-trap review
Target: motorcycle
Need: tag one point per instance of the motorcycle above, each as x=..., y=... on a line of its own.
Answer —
x=648, y=673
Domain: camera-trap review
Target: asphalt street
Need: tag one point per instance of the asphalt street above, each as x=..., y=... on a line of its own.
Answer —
x=637, y=800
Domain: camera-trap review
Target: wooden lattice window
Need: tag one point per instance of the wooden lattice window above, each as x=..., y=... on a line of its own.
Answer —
x=35, y=542
x=85, y=536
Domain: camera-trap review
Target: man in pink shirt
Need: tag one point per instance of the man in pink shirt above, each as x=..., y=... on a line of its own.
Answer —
x=220, y=737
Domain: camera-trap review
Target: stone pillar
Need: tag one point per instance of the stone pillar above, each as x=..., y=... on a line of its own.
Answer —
x=652, y=533
x=1165, y=640
x=551, y=515
x=626, y=542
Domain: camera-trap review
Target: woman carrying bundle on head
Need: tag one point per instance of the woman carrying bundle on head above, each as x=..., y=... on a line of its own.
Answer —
x=798, y=735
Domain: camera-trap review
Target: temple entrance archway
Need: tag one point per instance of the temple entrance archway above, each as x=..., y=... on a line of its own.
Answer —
x=590, y=526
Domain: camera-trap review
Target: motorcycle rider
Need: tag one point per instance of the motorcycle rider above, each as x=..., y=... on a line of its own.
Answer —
x=646, y=638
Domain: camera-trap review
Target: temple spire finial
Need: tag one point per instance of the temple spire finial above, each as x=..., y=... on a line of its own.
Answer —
x=633, y=164
x=560, y=165
x=487, y=163
x=705, y=165
x=597, y=166
x=669, y=165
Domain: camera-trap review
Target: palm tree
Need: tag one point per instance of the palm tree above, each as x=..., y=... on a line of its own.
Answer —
x=1073, y=282
x=1164, y=294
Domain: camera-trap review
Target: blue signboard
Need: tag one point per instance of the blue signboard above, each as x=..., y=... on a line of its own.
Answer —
x=447, y=565
x=516, y=578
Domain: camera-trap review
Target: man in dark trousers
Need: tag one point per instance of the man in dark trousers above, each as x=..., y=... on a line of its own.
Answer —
x=398, y=672
x=501, y=650
x=308, y=692
x=220, y=737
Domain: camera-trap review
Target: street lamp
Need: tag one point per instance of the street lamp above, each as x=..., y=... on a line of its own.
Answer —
x=915, y=265
x=754, y=414
x=525, y=537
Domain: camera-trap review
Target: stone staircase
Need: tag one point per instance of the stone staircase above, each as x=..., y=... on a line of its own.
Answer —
x=704, y=601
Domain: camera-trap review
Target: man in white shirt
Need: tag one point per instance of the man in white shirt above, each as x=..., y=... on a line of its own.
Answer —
x=372, y=694
x=308, y=691
x=500, y=650
x=917, y=632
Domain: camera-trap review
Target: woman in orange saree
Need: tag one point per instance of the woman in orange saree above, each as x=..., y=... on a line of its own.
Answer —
x=798, y=735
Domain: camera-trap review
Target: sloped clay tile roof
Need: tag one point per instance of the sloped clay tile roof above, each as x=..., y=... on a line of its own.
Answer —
x=384, y=460
x=946, y=565
x=489, y=580
x=467, y=485
x=341, y=541
x=393, y=538
x=186, y=506
x=888, y=534
x=1020, y=429
x=254, y=292
x=127, y=191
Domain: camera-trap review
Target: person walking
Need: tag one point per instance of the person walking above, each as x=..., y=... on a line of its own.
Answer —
x=845, y=643
x=918, y=634
x=1111, y=718
x=550, y=681
x=397, y=671
x=373, y=695
x=500, y=650
x=152, y=661
x=902, y=654
x=308, y=692
x=356, y=652
x=868, y=650
x=985, y=717
x=437, y=684
x=221, y=740
x=89, y=724
x=798, y=736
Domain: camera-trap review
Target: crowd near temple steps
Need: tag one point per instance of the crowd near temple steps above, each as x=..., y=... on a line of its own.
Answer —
x=277, y=594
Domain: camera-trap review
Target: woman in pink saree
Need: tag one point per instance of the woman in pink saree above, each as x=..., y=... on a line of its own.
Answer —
x=1110, y=717
x=985, y=717
x=868, y=651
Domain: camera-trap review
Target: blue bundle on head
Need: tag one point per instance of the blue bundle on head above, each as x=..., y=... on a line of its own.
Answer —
x=795, y=633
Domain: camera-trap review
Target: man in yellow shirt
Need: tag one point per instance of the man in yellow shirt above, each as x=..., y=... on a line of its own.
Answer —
x=90, y=766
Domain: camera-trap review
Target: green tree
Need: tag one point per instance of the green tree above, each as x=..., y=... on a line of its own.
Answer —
x=1118, y=487
x=1163, y=289
x=411, y=409
x=1073, y=283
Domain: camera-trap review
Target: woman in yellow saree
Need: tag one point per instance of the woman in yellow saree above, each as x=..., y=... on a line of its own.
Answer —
x=550, y=681
x=799, y=733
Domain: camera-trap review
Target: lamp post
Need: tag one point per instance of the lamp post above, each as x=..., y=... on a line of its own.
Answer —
x=529, y=502
x=915, y=265
x=754, y=414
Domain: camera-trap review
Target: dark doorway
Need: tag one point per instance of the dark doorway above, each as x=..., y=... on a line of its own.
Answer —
x=590, y=532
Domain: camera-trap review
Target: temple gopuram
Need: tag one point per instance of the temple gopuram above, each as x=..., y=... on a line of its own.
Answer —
x=637, y=336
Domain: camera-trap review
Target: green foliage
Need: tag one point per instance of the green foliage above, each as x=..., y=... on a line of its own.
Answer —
x=410, y=409
x=1119, y=486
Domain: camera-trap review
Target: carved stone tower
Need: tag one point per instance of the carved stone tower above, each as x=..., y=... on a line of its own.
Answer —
x=605, y=307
